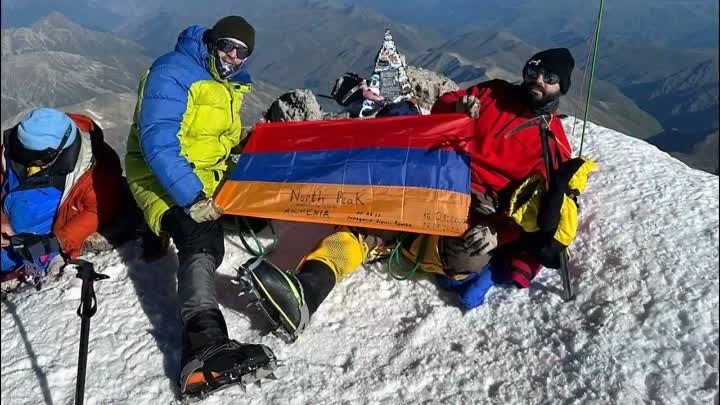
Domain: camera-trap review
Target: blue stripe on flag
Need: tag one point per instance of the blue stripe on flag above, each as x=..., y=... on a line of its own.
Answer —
x=439, y=169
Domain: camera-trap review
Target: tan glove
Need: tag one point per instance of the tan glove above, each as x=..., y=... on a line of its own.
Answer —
x=470, y=252
x=96, y=243
x=205, y=210
x=469, y=105
x=56, y=264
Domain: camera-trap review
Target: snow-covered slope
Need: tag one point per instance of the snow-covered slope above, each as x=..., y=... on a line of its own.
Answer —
x=643, y=330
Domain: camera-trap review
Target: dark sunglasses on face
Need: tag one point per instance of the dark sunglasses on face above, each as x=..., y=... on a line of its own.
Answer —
x=548, y=77
x=226, y=46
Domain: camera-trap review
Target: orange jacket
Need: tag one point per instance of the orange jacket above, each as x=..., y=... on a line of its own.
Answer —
x=93, y=190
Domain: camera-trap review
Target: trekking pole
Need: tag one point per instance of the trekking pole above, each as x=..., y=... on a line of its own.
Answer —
x=565, y=275
x=88, y=307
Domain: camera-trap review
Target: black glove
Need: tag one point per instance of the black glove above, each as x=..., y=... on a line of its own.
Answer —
x=32, y=247
x=484, y=202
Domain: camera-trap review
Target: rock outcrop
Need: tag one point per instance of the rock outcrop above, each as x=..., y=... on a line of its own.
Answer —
x=301, y=104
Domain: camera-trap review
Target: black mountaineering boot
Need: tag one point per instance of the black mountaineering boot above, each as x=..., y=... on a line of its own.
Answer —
x=287, y=300
x=317, y=280
x=278, y=295
x=211, y=361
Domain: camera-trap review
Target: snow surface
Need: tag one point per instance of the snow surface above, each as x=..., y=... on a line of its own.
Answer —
x=643, y=330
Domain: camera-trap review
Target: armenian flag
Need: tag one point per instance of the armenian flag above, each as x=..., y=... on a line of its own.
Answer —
x=398, y=173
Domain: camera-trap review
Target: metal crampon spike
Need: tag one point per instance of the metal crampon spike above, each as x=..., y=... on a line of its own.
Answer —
x=240, y=376
x=245, y=288
x=248, y=289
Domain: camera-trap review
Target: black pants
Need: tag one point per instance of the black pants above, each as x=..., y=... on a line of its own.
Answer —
x=200, y=251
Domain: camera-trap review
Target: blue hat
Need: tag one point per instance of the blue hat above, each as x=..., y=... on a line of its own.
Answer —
x=44, y=128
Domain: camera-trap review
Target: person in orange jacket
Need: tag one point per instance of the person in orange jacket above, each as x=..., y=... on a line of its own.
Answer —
x=60, y=184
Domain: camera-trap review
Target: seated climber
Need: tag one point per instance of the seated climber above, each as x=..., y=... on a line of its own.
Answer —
x=60, y=184
x=513, y=122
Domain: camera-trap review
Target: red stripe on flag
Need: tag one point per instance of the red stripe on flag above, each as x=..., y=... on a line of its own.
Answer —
x=424, y=132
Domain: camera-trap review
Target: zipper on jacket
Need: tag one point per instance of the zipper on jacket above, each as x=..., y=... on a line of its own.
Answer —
x=232, y=121
x=232, y=112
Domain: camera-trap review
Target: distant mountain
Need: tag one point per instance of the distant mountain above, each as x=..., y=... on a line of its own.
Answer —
x=99, y=15
x=307, y=45
x=673, y=23
x=610, y=107
x=157, y=33
x=645, y=91
x=57, y=33
x=704, y=154
x=685, y=100
x=60, y=64
x=657, y=91
x=679, y=87
x=56, y=62
x=477, y=56
x=114, y=112
x=699, y=150
x=22, y=13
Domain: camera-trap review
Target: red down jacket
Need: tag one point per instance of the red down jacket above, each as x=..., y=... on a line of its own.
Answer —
x=507, y=149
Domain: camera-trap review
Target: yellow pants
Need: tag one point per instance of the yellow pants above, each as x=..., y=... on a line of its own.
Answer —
x=344, y=251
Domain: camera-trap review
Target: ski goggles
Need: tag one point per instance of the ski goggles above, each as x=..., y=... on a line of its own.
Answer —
x=226, y=45
x=549, y=77
x=40, y=158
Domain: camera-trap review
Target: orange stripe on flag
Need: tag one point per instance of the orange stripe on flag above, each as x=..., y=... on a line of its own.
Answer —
x=410, y=209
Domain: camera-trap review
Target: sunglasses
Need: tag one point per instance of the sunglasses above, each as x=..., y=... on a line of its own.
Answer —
x=533, y=73
x=226, y=46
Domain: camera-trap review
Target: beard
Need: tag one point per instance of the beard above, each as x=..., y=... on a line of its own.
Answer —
x=539, y=95
x=539, y=98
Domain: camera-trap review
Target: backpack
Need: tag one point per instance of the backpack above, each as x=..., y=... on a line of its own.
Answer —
x=347, y=89
x=402, y=107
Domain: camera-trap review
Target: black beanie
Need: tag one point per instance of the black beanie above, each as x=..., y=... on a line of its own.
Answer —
x=236, y=27
x=556, y=60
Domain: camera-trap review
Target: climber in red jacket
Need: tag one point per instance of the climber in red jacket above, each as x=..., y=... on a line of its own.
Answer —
x=507, y=150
